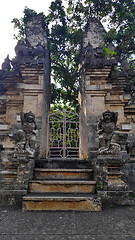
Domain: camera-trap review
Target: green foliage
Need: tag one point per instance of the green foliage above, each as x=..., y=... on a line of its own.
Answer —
x=112, y=205
x=61, y=107
x=134, y=80
x=108, y=51
x=65, y=27
x=64, y=48
x=20, y=24
x=101, y=185
x=120, y=16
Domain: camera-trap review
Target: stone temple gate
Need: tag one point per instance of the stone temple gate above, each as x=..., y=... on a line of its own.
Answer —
x=63, y=165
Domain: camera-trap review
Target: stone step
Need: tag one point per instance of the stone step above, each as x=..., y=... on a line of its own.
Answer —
x=9, y=165
x=74, y=186
x=61, y=202
x=43, y=173
x=8, y=174
x=7, y=185
x=71, y=163
x=115, y=175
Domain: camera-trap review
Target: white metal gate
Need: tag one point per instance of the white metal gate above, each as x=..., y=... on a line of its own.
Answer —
x=63, y=135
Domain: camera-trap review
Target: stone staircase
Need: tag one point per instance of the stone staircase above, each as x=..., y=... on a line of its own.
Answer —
x=62, y=188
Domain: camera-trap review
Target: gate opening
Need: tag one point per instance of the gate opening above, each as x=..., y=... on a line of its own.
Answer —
x=63, y=135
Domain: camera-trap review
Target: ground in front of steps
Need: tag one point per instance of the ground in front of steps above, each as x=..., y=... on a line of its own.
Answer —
x=114, y=222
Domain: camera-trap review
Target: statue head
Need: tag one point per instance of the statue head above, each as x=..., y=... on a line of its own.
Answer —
x=29, y=117
x=107, y=116
x=110, y=116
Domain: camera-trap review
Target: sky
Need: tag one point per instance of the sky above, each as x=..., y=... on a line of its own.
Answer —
x=14, y=9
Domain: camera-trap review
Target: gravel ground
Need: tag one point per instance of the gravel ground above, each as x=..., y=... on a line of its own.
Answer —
x=113, y=222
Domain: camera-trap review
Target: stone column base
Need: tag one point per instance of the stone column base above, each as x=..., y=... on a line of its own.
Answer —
x=110, y=186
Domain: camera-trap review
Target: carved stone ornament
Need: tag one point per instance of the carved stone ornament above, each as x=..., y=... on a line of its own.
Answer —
x=21, y=49
x=6, y=64
x=27, y=135
x=108, y=134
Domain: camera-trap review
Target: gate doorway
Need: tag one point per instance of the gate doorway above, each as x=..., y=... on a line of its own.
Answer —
x=63, y=135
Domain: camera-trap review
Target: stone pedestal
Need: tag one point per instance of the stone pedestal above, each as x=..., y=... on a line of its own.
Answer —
x=25, y=168
x=110, y=185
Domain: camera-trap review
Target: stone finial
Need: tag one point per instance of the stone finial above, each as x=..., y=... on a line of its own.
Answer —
x=94, y=34
x=124, y=64
x=35, y=32
x=6, y=64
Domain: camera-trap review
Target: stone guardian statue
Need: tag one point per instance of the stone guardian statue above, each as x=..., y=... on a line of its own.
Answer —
x=27, y=135
x=108, y=134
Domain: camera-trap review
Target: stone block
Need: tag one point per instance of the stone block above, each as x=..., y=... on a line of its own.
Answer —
x=126, y=126
x=3, y=127
x=41, y=173
x=43, y=186
x=117, y=197
x=61, y=203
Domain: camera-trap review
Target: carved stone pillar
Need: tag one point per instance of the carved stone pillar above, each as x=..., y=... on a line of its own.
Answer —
x=94, y=70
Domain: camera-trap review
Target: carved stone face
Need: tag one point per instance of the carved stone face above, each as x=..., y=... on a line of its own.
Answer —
x=30, y=117
x=107, y=116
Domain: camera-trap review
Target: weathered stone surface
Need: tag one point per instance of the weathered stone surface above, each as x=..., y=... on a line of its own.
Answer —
x=117, y=197
x=108, y=134
x=25, y=169
x=27, y=135
x=101, y=87
x=63, y=164
x=61, y=203
x=111, y=183
x=27, y=87
x=5, y=174
x=6, y=64
x=42, y=173
x=73, y=190
x=73, y=186
x=35, y=32
x=131, y=144
x=94, y=34
x=12, y=197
